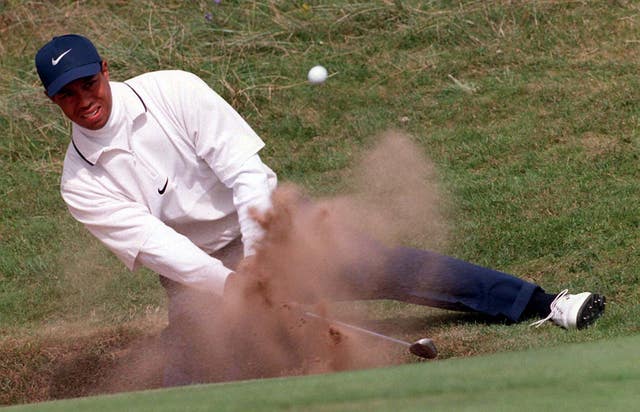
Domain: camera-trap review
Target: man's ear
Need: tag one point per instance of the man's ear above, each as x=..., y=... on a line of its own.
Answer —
x=104, y=68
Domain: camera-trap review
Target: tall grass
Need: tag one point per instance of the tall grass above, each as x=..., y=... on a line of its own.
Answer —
x=529, y=109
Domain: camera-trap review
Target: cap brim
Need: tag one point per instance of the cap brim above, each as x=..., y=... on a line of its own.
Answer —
x=71, y=75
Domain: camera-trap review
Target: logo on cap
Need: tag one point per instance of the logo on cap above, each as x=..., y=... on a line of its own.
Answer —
x=55, y=61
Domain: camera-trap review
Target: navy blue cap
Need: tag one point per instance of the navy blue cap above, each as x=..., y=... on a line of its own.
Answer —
x=65, y=59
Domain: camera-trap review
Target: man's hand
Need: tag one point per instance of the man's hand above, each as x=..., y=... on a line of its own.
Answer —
x=235, y=287
x=239, y=309
x=252, y=287
x=246, y=290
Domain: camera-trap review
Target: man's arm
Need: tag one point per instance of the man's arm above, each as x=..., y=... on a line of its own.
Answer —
x=226, y=142
x=250, y=185
x=137, y=238
x=174, y=256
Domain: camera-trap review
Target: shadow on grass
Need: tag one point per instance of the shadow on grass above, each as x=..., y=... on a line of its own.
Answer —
x=134, y=366
x=36, y=369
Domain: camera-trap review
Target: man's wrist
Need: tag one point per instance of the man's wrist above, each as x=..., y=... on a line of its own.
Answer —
x=230, y=284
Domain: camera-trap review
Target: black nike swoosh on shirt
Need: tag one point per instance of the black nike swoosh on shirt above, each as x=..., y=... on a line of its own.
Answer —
x=161, y=191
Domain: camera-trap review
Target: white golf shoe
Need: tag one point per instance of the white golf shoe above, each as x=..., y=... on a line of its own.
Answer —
x=574, y=311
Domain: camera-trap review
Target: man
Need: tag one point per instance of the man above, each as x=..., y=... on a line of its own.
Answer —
x=164, y=172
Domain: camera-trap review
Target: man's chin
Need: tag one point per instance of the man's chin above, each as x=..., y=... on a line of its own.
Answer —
x=95, y=126
x=93, y=123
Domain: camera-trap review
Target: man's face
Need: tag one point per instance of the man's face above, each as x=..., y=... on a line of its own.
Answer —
x=87, y=101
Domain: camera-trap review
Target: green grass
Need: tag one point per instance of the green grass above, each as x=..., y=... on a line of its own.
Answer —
x=530, y=110
x=593, y=376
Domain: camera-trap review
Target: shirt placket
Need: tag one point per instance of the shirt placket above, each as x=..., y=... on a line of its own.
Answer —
x=143, y=163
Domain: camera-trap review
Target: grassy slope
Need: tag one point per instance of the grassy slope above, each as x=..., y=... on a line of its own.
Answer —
x=594, y=376
x=529, y=109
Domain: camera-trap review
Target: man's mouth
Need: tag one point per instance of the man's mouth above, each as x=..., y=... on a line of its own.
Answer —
x=92, y=114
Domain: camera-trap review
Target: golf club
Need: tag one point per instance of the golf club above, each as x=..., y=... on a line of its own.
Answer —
x=424, y=348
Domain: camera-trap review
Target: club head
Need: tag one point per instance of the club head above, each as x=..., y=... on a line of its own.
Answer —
x=424, y=348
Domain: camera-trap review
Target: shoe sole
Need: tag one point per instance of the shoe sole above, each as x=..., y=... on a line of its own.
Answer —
x=591, y=309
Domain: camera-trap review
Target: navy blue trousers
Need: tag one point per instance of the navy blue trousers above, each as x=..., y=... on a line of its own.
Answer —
x=408, y=275
x=427, y=278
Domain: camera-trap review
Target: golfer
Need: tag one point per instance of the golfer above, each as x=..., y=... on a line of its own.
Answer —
x=163, y=172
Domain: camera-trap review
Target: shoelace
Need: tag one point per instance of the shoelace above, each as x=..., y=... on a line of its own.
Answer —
x=553, y=307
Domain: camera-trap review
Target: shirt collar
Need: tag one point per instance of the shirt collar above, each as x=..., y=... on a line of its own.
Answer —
x=126, y=107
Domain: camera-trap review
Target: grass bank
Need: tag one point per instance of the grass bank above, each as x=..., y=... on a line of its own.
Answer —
x=577, y=377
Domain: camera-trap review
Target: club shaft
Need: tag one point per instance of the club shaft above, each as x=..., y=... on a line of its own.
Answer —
x=358, y=329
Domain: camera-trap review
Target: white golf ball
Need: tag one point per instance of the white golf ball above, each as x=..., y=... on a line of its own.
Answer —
x=317, y=75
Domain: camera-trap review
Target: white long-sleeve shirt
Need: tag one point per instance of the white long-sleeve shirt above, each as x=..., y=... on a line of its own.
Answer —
x=169, y=179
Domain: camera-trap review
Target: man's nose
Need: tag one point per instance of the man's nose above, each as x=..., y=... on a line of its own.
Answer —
x=84, y=98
